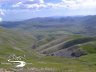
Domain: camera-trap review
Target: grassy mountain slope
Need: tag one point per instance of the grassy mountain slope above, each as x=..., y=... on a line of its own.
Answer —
x=63, y=44
x=58, y=43
x=12, y=42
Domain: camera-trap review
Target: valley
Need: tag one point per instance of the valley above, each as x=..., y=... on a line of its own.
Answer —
x=61, y=44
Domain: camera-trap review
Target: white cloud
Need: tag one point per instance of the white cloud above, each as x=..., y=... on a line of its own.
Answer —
x=80, y=4
x=17, y=4
x=31, y=0
x=2, y=12
x=69, y=4
x=30, y=4
x=35, y=6
x=41, y=1
x=88, y=4
x=0, y=19
x=57, y=5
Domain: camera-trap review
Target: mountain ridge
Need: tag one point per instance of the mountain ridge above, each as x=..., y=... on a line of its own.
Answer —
x=78, y=25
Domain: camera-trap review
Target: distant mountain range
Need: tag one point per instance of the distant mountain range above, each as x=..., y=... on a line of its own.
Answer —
x=76, y=25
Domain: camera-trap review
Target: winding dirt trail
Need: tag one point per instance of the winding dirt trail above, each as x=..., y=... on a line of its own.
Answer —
x=21, y=63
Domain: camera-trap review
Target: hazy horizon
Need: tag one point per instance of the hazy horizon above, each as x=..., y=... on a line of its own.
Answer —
x=45, y=17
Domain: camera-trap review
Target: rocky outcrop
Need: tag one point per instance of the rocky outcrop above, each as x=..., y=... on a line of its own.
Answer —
x=73, y=51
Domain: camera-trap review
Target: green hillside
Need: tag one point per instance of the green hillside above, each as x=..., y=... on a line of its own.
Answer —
x=20, y=44
x=12, y=42
x=50, y=44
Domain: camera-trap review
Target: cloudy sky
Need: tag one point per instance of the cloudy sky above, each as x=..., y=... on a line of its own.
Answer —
x=24, y=9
